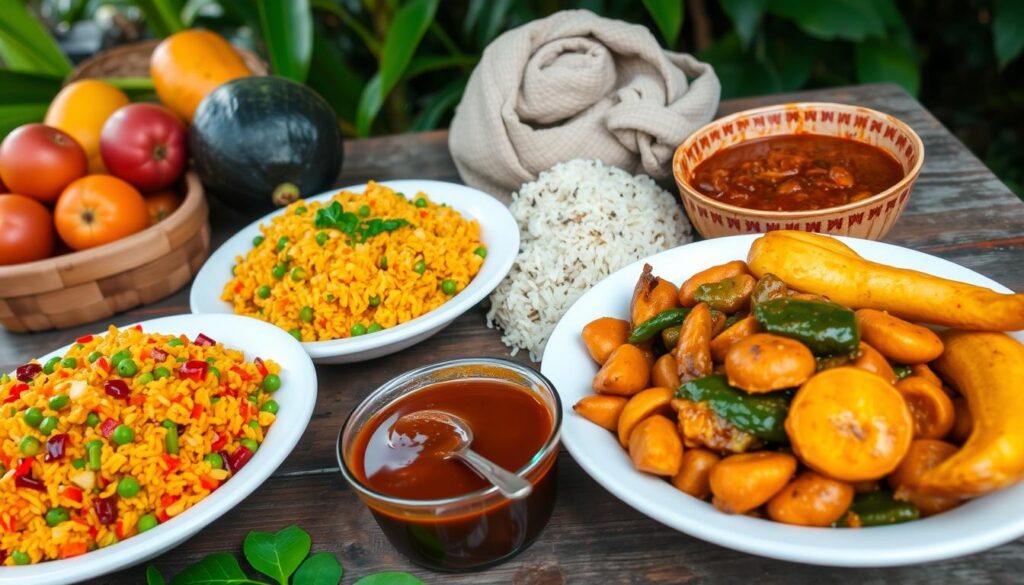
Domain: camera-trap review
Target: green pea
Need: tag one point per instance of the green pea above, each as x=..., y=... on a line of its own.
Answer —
x=278, y=271
x=300, y=210
x=249, y=444
x=20, y=557
x=321, y=238
x=161, y=373
x=214, y=371
x=128, y=487
x=374, y=300
x=448, y=286
x=215, y=460
x=69, y=363
x=78, y=463
x=374, y=327
x=127, y=368
x=175, y=342
x=330, y=298
x=364, y=211
x=145, y=378
x=269, y=406
x=29, y=446
x=211, y=360
x=272, y=382
x=420, y=267
x=400, y=194
x=119, y=357
x=295, y=333
x=55, y=516
x=421, y=202
x=254, y=397
x=382, y=262
x=92, y=419
x=214, y=399
x=299, y=274
x=481, y=252
x=306, y=314
x=281, y=243
x=50, y=365
x=94, y=356
x=58, y=402
x=48, y=425
x=263, y=291
x=254, y=424
x=123, y=435
x=33, y=416
x=358, y=329
x=257, y=241
x=234, y=270
x=146, y=522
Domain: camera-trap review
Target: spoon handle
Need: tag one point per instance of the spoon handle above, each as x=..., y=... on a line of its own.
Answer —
x=509, y=484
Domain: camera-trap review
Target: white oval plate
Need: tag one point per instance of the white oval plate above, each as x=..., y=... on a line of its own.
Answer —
x=974, y=526
x=499, y=233
x=295, y=399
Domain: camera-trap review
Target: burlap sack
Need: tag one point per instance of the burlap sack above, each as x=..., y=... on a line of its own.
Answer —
x=575, y=85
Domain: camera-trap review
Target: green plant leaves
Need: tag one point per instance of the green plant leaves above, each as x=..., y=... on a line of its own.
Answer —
x=277, y=555
x=668, y=15
x=745, y=16
x=879, y=61
x=288, y=34
x=25, y=45
x=319, y=569
x=216, y=569
x=440, y=102
x=12, y=116
x=1007, y=30
x=390, y=578
x=853, y=20
x=153, y=576
x=370, y=102
x=162, y=16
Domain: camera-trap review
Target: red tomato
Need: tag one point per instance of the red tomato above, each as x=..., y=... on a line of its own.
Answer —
x=26, y=230
x=39, y=161
x=162, y=204
x=99, y=209
x=144, y=144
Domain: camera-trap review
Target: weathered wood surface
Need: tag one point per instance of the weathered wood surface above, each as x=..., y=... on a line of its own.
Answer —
x=958, y=211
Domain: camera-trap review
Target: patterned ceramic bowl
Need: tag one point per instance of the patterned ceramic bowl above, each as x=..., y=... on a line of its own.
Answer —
x=869, y=218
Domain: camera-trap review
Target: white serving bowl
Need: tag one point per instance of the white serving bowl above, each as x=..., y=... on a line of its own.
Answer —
x=295, y=399
x=974, y=526
x=499, y=233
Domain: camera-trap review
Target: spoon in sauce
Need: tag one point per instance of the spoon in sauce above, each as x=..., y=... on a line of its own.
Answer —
x=442, y=434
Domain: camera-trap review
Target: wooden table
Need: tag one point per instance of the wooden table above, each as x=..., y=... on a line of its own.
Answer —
x=958, y=211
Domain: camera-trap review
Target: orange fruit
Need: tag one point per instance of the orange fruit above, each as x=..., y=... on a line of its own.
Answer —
x=80, y=109
x=97, y=210
x=162, y=204
x=190, y=64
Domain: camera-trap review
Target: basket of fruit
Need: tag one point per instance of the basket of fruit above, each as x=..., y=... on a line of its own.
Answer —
x=97, y=211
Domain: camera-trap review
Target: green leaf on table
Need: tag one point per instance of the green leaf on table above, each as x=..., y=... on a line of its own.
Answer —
x=319, y=569
x=880, y=61
x=1007, y=30
x=389, y=578
x=162, y=16
x=277, y=555
x=216, y=569
x=288, y=33
x=745, y=16
x=153, y=576
x=852, y=20
x=25, y=45
x=668, y=15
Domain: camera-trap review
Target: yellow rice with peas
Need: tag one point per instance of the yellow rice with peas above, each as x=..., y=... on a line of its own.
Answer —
x=120, y=434
x=355, y=264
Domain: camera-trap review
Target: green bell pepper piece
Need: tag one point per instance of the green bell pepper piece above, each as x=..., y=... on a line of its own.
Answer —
x=761, y=415
x=825, y=328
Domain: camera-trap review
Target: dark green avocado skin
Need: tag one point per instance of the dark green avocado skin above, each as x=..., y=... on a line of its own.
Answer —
x=252, y=135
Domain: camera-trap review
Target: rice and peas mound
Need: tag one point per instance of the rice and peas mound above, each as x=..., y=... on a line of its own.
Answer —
x=121, y=433
x=355, y=264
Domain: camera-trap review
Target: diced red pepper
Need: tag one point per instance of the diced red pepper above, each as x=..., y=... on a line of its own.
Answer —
x=204, y=341
x=194, y=370
x=93, y=532
x=73, y=493
x=237, y=460
x=242, y=373
x=423, y=214
x=162, y=516
x=64, y=374
x=172, y=463
x=197, y=411
x=55, y=447
x=158, y=355
x=219, y=442
x=262, y=367
x=15, y=392
x=137, y=327
x=103, y=364
x=208, y=482
x=117, y=389
x=166, y=502
x=72, y=549
x=137, y=400
x=27, y=372
x=243, y=410
x=24, y=481
x=23, y=468
x=84, y=339
x=119, y=529
x=238, y=287
x=107, y=427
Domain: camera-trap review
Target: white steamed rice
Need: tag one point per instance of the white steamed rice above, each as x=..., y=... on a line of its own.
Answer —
x=580, y=221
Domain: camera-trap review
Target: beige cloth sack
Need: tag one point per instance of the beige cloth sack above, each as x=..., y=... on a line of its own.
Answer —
x=575, y=85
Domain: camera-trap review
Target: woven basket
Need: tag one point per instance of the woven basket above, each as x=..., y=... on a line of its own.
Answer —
x=132, y=60
x=93, y=284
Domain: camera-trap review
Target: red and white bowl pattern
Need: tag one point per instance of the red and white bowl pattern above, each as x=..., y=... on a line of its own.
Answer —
x=869, y=218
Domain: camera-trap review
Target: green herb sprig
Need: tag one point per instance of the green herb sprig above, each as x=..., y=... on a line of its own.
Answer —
x=283, y=556
x=358, y=230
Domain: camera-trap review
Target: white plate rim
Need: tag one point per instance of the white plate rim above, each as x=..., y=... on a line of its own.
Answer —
x=300, y=383
x=494, y=219
x=816, y=546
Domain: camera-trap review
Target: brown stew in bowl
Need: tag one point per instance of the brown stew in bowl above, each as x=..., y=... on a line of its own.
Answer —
x=796, y=172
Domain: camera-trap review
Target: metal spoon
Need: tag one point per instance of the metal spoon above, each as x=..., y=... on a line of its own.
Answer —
x=509, y=484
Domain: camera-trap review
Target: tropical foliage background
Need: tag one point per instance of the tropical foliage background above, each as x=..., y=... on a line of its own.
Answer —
x=391, y=66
